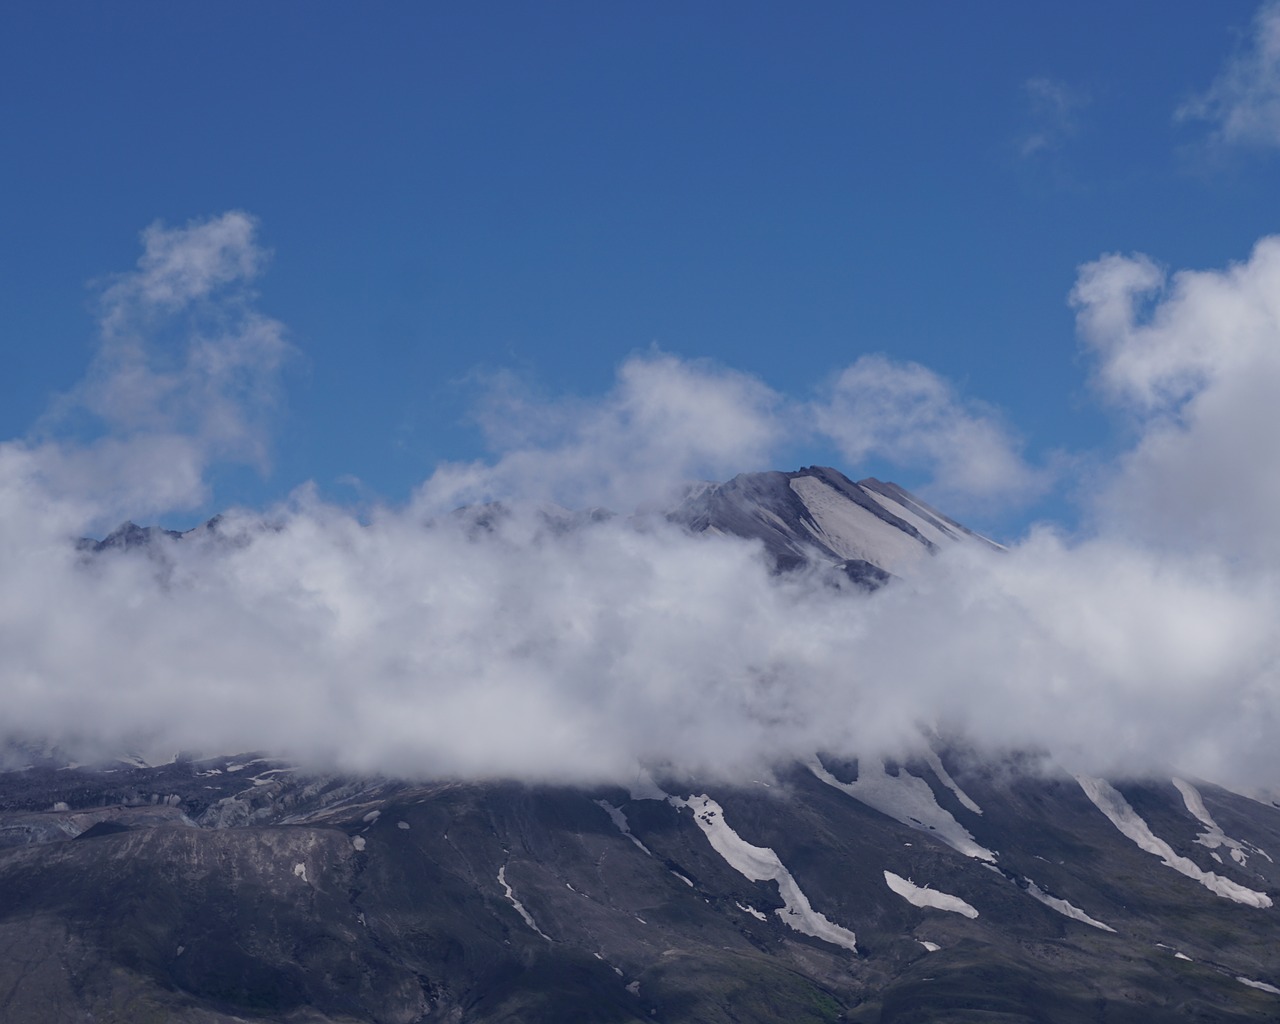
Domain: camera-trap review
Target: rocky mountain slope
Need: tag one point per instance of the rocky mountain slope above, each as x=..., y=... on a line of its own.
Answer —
x=948, y=887
x=870, y=529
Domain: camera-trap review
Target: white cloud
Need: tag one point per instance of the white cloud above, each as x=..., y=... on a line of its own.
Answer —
x=1195, y=360
x=179, y=266
x=185, y=373
x=1243, y=103
x=910, y=416
x=664, y=422
x=667, y=421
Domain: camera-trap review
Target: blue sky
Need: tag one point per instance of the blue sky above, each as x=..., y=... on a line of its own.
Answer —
x=449, y=192
x=426, y=255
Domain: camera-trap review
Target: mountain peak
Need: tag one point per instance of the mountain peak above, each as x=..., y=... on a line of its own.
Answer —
x=816, y=513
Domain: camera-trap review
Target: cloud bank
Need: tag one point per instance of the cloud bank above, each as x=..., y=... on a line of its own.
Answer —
x=412, y=640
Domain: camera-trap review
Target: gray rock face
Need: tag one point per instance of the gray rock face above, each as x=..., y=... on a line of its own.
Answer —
x=266, y=895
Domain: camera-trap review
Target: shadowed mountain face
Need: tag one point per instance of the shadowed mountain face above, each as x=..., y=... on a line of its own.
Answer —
x=947, y=888
x=228, y=890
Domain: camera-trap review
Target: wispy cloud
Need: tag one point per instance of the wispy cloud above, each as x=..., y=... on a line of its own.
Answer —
x=1054, y=109
x=185, y=373
x=1242, y=105
x=668, y=420
x=910, y=416
x=664, y=422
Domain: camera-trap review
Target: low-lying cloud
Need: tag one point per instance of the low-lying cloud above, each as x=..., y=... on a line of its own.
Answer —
x=412, y=640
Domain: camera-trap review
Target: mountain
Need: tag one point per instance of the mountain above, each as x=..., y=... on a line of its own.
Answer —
x=869, y=529
x=951, y=886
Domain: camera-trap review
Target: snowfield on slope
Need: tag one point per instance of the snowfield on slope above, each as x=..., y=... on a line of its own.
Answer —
x=760, y=864
x=1262, y=986
x=1113, y=804
x=922, y=896
x=619, y=819
x=934, y=532
x=944, y=776
x=852, y=532
x=1064, y=908
x=520, y=908
x=907, y=799
x=1214, y=837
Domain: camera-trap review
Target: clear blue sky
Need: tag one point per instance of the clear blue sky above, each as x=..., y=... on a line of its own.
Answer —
x=549, y=188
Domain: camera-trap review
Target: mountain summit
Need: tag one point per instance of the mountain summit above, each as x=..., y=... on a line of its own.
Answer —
x=819, y=512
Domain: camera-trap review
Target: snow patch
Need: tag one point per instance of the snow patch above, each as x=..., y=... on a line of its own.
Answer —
x=358, y=843
x=1182, y=956
x=246, y=764
x=1213, y=837
x=749, y=909
x=402, y=825
x=524, y=914
x=760, y=864
x=372, y=816
x=1261, y=985
x=265, y=779
x=934, y=531
x=945, y=778
x=926, y=897
x=852, y=531
x=300, y=871
x=1113, y=804
x=620, y=821
x=1064, y=908
x=907, y=799
x=931, y=947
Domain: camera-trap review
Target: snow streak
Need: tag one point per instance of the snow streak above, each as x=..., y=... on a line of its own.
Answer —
x=1113, y=804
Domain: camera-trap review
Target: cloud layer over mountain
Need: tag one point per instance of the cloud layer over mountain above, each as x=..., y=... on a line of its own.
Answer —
x=408, y=639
